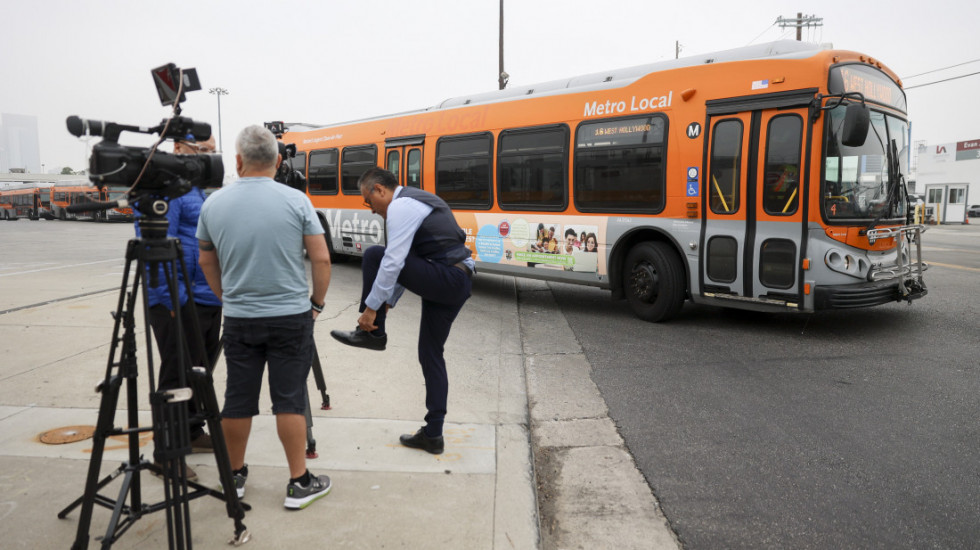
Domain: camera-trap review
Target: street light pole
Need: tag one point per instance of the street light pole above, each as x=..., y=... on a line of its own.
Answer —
x=219, y=92
x=502, y=76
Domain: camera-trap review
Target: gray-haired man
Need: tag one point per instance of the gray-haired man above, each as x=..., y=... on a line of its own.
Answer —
x=252, y=235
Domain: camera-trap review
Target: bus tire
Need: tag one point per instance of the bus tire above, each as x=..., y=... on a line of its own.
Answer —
x=653, y=279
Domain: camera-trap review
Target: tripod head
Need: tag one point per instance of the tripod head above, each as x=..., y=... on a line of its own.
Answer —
x=153, y=221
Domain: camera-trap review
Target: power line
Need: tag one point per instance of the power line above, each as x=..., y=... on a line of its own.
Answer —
x=761, y=33
x=944, y=80
x=943, y=69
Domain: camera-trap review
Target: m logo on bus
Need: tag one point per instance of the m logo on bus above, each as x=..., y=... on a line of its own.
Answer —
x=693, y=130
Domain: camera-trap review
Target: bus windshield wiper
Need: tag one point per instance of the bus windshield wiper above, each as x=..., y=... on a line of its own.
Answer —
x=894, y=177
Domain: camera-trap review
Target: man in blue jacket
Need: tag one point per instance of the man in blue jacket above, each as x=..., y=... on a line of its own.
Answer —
x=182, y=215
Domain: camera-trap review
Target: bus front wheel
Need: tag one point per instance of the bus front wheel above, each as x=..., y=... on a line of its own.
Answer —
x=653, y=279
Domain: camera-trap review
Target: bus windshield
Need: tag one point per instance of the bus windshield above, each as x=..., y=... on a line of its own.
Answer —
x=866, y=182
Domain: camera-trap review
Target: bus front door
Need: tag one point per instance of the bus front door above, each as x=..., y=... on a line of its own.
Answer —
x=753, y=211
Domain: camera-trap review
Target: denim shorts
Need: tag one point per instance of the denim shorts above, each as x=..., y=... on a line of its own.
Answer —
x=286, y=344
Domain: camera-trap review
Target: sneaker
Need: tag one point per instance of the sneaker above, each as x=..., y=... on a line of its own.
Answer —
x=299, y=496
x=240, y=477
x=189, y=472
x=202, y=444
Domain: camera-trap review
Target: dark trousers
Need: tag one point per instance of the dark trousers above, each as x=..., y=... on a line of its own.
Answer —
x=164, y=327
x=443, y=289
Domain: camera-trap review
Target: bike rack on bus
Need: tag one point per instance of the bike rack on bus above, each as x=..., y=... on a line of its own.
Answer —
x=909, y=272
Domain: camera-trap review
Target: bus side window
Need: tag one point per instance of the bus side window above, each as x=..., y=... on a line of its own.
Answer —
x=531, y=169
x=354, y=162
x=463, y=170
x=620, y=165
x=780, y=193
x=299, y=162
x=322, y=177
x=726, y=167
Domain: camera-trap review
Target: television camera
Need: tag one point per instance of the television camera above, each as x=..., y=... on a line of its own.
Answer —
x=286, y=174
x=147, y=172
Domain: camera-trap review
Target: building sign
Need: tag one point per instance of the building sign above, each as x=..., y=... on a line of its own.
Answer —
x=949, y=152
x=968, y=150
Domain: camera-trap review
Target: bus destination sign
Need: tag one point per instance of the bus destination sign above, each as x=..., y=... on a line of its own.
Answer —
x=873, y=84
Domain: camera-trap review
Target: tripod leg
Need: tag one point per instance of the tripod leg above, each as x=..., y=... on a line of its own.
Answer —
x=318, y=376
x=172, y=442
x=310, y=442
x=104, y=425
x=202, y=383
x=109, y=388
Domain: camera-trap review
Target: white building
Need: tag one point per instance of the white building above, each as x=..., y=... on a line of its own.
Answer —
x=948, y=175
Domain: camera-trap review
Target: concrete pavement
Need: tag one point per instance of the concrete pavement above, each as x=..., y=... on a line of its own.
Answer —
x=526, y=426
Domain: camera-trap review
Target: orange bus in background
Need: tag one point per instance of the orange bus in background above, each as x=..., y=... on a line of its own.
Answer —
x=63, y=197
x=20, y=203
x=121, y=214
x=770, y=177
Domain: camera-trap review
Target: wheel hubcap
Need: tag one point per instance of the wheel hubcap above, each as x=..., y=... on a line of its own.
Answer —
x=643, y=282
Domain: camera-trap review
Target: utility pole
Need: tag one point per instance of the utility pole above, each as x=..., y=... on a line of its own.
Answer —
x=219, y=92
x=799, y=22
x=502, y=76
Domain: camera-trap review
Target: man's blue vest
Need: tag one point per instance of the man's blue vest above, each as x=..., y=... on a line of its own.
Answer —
x=439, y=238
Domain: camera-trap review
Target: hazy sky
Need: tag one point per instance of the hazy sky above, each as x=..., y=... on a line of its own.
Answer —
x=332, y=61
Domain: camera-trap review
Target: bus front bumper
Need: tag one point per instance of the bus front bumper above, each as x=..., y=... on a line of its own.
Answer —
x=867, y=294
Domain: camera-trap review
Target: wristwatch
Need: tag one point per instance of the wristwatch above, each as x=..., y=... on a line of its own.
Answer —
x=316, y=307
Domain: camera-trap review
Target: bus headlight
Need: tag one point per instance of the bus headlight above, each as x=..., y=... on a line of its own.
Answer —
x=847, y=263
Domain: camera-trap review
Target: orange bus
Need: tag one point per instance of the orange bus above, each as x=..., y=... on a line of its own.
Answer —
x=20, y=203
x=119, y=213
x=61, y=197
x=770, y=177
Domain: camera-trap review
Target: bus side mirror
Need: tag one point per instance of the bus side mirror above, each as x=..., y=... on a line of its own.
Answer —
x=857, y=120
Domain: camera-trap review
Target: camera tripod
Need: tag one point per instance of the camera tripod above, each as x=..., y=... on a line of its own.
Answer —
x=170, y=413
x=325, y=402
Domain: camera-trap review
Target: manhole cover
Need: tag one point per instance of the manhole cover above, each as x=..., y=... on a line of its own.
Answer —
x=68, y=434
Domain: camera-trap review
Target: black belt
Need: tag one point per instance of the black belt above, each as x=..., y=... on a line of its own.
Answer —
x=465, y=269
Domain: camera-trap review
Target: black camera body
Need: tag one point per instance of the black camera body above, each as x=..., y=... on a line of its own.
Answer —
x=164, y=174
x=286, y=174
x=151, y=172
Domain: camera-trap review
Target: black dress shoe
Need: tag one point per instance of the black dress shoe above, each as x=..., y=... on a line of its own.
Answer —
x=419, y=440
x=360, y=339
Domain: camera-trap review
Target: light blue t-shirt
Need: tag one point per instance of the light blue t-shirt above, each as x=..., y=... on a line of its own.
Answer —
x=257, y=227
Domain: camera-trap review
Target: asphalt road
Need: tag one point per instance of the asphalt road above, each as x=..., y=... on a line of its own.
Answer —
x=850, y=429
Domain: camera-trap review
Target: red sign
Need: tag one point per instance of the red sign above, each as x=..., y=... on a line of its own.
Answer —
x=504, y=228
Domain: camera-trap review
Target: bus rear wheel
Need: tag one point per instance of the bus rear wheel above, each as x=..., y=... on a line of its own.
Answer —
x=653, y=279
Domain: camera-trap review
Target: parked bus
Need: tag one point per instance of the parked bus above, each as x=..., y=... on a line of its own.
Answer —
x=63, y=197
x=769, y=178
x=20, y=203
x=121, y=214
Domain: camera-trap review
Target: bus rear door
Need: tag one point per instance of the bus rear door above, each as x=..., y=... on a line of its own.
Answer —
x=403, y=158
x=754, y=211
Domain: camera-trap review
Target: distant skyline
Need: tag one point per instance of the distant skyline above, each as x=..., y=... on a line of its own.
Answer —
x=19, y=144
x=328, y=62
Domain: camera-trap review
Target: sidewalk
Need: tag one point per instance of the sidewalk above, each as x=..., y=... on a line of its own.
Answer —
x=480, y=494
